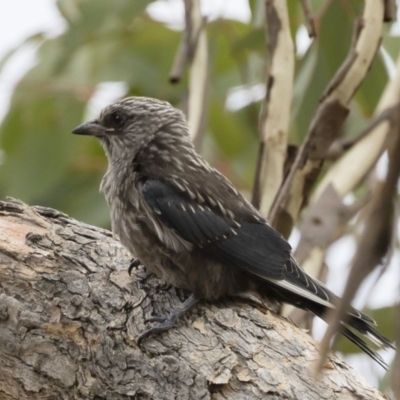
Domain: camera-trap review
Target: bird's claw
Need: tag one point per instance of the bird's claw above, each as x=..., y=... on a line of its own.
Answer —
x=155, y=319
x=168, y=322
x=135, y=262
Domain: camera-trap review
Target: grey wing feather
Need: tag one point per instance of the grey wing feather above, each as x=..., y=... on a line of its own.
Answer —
x=244, y=242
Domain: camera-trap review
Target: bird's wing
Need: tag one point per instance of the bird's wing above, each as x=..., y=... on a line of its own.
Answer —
x=234, y=238
x=242, y=241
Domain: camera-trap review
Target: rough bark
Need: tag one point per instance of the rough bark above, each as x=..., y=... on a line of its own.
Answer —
x=70, y=315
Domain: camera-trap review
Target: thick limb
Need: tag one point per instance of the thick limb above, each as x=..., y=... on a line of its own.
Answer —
x=169, y=321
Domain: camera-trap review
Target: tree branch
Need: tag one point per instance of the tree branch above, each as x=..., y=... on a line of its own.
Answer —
x=376, y=238
x=306, y=5
x=274, y=123
x=344, y=176
x=198, y=75
x=366, y=151
x=193, y=50
x=328, y=119
x=327, y=214
x=70, y=315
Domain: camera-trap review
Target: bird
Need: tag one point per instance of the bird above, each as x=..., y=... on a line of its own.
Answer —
x=191, y=227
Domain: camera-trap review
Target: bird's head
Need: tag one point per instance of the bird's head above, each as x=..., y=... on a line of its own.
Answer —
x=131, y=123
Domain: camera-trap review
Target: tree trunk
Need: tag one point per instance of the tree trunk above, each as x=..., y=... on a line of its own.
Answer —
x=70, y=315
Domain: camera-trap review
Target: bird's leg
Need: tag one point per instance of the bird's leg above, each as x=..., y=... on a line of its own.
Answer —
x=135, y=262
x=169, y=321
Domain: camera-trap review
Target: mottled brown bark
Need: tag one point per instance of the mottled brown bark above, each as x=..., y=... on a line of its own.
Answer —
x=70, y=315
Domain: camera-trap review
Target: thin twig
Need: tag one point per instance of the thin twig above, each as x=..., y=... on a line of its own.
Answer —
x=186, y=49
x=193, y=51
x=306, y=5
x=341, y=145
x=390, y=10
x=179, y=62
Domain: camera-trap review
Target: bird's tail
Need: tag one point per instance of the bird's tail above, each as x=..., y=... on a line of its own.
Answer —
x=362, y=326
x=355, y=321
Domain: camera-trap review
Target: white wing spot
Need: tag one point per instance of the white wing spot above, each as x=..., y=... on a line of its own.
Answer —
x=191, y=194
x=212, y=201
x=231, y=214
x=221, y=207
x=180, y=187
x=200, y=197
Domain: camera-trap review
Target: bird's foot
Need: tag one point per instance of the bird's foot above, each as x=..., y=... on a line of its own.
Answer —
x=168, y=322
x=135, y=262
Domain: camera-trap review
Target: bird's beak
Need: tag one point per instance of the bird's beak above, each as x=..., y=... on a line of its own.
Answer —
x=92, y=128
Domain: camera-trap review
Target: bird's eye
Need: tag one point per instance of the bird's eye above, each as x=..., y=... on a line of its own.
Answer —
x=117, y=119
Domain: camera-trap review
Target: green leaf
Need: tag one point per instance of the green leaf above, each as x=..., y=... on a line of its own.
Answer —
x=303, y=80
x=392, y=45
x=35, y=139
x=254, y=40
x=372, y=87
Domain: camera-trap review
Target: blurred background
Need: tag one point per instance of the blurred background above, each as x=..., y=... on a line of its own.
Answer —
x=62, y=61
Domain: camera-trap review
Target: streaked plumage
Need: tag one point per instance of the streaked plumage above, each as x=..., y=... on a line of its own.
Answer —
x=189, y=225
